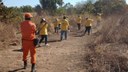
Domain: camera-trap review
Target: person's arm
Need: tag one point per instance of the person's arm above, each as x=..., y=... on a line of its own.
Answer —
x=68, y=25
x=34, y=27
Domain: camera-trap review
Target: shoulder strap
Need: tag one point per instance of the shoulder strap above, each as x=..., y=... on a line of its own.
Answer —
x=42, y=26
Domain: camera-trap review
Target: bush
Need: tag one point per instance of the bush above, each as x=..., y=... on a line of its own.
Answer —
x=10, y=15
x=96, y=62
x=114, y=29
x=108, y=47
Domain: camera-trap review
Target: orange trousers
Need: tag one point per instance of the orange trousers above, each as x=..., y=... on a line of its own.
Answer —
x=29, y=46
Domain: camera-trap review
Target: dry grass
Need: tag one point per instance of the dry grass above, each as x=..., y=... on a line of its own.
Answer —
x=6, y=31
x=108, y=47
x=96, y=62
x=113, y=30
x=7, y=35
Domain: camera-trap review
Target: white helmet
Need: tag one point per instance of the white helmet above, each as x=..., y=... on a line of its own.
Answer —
x=43, y=19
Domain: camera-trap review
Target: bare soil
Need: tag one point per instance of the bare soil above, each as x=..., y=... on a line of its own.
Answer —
x=65, y=56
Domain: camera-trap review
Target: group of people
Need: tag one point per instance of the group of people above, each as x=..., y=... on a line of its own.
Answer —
x=62, y=25
x=29, y=30
x=87, y=24
x=58, y=25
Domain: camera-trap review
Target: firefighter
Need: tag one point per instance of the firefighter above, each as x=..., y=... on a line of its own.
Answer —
x=56, y=25
x=28, y=29
x=88, y=25
x=64, y=28
x=79, y=22
x=43, y=32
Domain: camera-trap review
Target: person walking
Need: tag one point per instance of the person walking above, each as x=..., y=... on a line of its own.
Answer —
x=59, y=23
x=56, y=25
x=79, y=22
x=43, y=31
x=28, y=29
x=64, y=28
x=88, y=25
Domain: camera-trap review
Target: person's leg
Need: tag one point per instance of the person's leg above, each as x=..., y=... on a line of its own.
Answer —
x=55, y=29
x=59, y=26
x=85, y=30
x=32, y=53
x=46, y=39
x=78, y=26
x=42, y=38
x=33, y=68
x=25, y=48
x=33, y=56
x=61, y=35
x=66, y=35
x=89, y=30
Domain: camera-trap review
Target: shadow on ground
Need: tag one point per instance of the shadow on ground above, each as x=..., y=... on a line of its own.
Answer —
x=18, y=50
x=16, y=70
x=52, y=41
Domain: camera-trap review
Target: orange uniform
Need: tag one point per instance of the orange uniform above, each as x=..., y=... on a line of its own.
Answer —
x=28, y=34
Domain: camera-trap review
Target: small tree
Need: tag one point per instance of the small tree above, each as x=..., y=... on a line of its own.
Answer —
x=27, y=8
x=84, y=7
x=50, y=5
x=61, y=11
x=69, y=8
x=109, y=6
x=10, y=15
x=38, y=9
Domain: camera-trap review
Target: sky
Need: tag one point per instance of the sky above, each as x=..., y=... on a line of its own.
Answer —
x=33, y=3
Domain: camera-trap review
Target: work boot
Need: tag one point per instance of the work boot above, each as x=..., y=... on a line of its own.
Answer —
x=46, y=44
x=33, y=68
x=25, y=64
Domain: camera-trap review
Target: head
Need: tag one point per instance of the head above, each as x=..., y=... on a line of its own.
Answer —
x=43, y=20
x=28, y=16
x=1, y=3
x=86, y=18
x=64, y=17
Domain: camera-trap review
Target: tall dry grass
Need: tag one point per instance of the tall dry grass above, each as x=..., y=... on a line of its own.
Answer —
x=114, y=29
x=6, y=31
x=7, y=35
x=109, y=46
x=96, y=62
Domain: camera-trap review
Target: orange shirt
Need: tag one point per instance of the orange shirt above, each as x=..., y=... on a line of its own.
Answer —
x=28, y=30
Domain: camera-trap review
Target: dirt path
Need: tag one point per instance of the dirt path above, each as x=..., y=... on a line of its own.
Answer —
x=65, y=56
